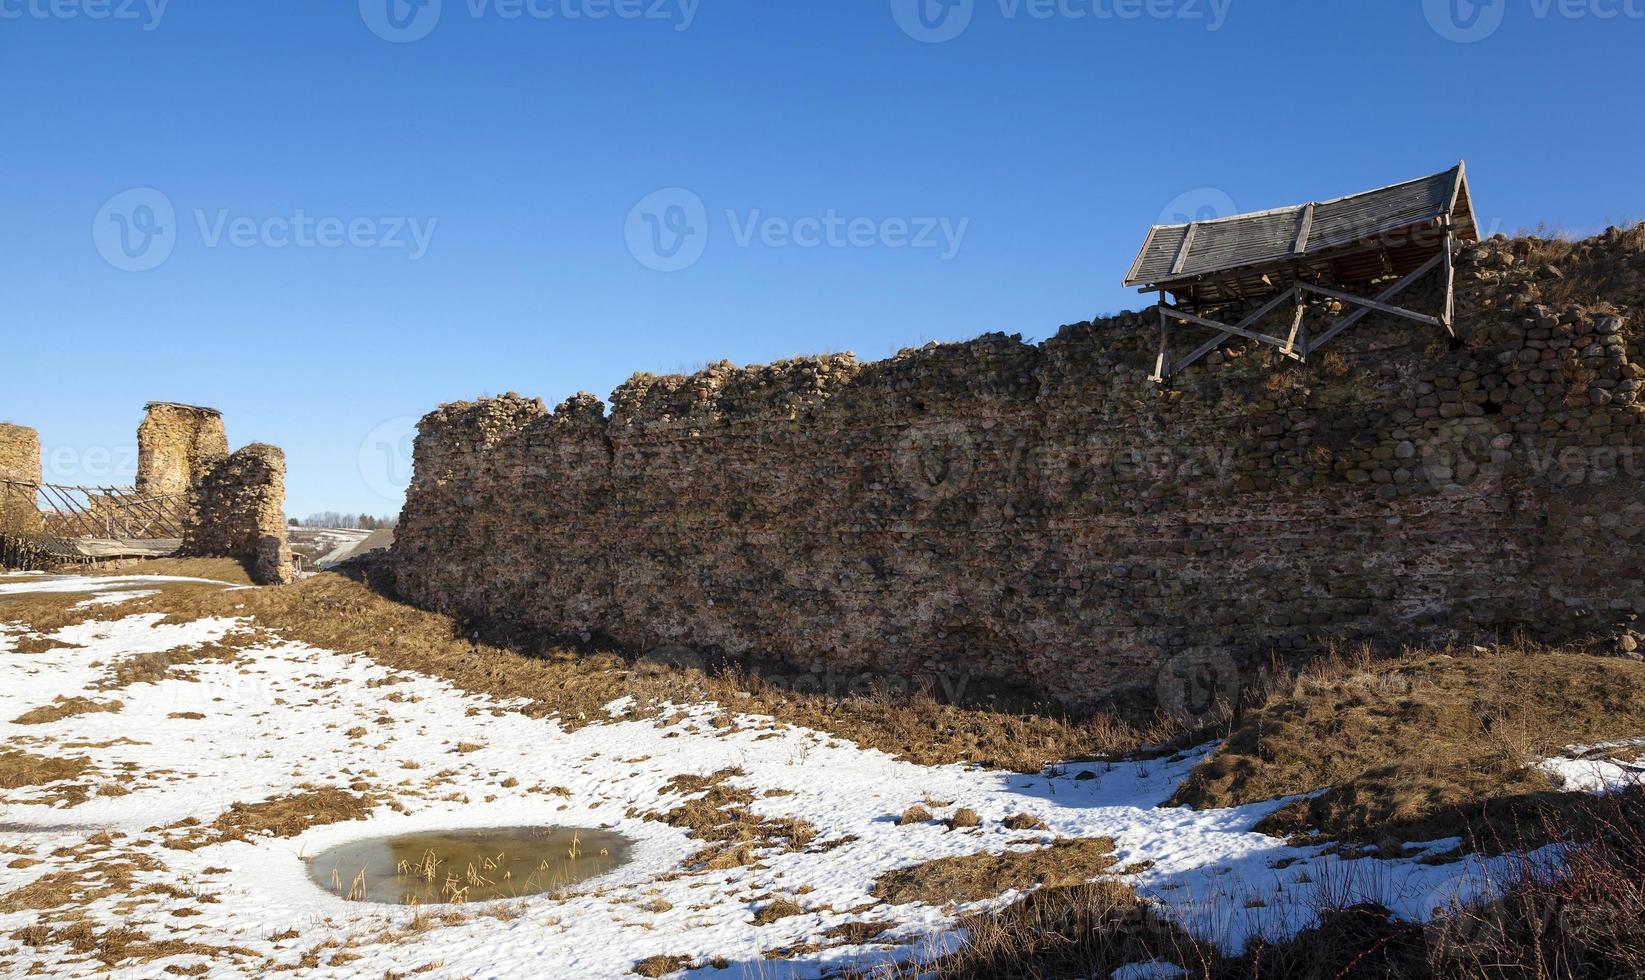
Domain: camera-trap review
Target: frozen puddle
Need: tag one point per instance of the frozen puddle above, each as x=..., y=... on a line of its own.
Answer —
x=466, y=865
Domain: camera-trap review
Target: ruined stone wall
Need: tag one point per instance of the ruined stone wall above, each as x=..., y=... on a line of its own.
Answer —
x=19, y=461
x=176, y=445
x=237, y=510
x=1047, y=516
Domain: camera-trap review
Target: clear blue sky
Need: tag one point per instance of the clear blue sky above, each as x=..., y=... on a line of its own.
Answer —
x=524, y=144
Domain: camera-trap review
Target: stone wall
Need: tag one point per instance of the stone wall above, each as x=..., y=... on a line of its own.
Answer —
x=176, y=445
x=20, y=461
x=1044, y=515
x=237, y=510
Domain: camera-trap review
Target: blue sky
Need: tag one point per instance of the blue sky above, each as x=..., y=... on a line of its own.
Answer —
x=372, y=211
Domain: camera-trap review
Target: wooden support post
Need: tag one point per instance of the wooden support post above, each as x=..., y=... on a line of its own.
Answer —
x=1161, y=363
x=1297, y=333
x=1222, y=337
x=1449, y=318
x=1256, y=335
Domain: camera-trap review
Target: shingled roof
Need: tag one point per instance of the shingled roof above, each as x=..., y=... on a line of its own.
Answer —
x=1347, y=241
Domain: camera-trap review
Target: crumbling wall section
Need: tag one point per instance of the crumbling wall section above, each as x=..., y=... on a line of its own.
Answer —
x=1045, y=515
x=237, y=510
x=19, y=472
x=176, y=446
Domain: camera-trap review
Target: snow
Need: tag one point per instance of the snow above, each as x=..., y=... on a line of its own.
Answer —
x=1152, y=970
x=1603, y=768
x=277, y=720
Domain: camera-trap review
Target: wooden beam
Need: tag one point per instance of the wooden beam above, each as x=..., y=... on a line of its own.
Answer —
x=1382, y=297
x=1160, y=362
x=1187, y=244
x=1448, y=319
x=1296, y=325
x=1301, y=244
x=1222, y=338
x=1256, y=335
x=1376, y=305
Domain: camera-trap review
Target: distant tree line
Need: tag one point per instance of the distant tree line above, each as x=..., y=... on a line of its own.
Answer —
x=349, y=522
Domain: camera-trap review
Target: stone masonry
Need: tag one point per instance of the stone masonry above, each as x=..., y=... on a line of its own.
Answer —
x=1046, y=516
x=227, y=505
x=176, y=445
x=237, y=510
x=19, y=461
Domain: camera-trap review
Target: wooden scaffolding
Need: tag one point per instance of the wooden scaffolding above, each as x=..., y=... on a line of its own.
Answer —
x=1327, y=248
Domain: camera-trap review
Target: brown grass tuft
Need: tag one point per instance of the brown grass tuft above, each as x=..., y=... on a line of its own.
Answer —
x=662, y=966
x=720, y=815
x=978, y=876
x=281, y=816
x=915, y=814
x=65, y=708
x=781, y=908
x=19, y=769
x=1421, y=746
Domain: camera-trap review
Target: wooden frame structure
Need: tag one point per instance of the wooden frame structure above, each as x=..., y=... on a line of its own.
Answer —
x=100, y=522
x=1402, y=232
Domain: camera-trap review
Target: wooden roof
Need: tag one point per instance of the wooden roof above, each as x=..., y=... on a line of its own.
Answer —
x=1348, y=241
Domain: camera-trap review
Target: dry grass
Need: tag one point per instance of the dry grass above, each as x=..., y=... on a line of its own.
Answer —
x=79, y=885
x=719, y=814
x=335, y=612
x=915, y=814
x=169, y=665
x=980, y=876
x=48, y=612
x=121, y=945
x=1421, y=746
x=662, y=966
x=1585, y=918
x=65, y=708
x=280, y=816
x=776, y=909
x=217, y=569
x=19, y=769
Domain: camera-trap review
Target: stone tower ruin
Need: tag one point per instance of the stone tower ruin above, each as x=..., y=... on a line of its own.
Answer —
x=19, y=468
x=176, y=446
